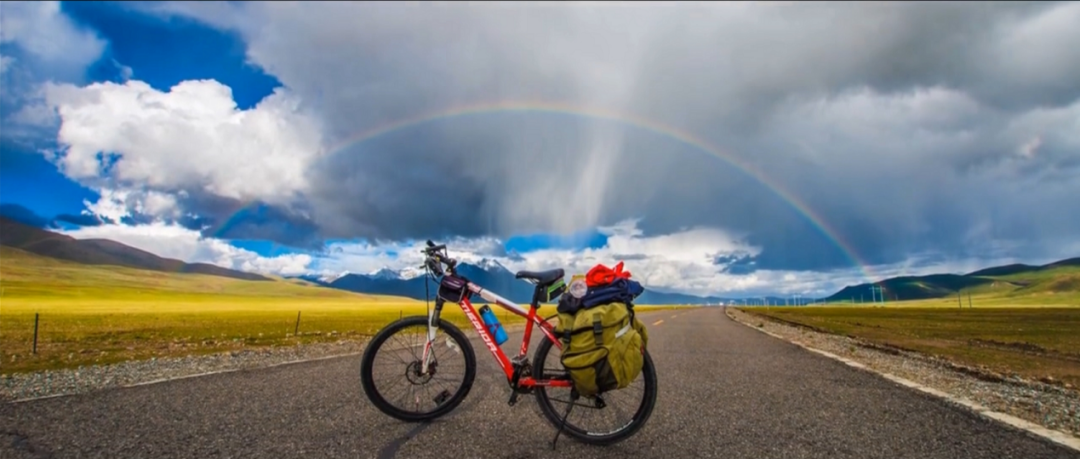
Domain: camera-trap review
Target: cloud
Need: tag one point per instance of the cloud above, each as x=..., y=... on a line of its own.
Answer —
x=896, y=124
x=23, y=215
x=5, y=63
x=696, y=261
x=174, y=241
x=41, y=30
x=682, y=261
x=188, y=152
x=192, y=138
x=117, y=205
x=38, y=43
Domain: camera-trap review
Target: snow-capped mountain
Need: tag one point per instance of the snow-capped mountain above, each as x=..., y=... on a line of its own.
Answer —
x=411, y=272
x=489, y=273
x=409, y=282
x=332, y=277
x=489, y=264
x=385, y=274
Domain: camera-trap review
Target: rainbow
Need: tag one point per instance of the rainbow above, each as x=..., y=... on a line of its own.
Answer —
x=656, y=127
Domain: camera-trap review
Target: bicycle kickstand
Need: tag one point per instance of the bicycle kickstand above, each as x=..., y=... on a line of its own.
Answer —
x=562, y=425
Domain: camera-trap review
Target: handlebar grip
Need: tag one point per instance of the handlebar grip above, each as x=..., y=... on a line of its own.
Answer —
x=432, y=247
x=435, y=267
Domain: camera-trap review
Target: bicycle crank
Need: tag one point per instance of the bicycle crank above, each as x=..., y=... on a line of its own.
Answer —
x=521, y=368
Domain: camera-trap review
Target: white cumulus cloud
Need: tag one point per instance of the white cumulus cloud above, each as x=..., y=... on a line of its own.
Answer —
x=192, y=139
x=173, y=241
x=41, y=29
x=684, y=261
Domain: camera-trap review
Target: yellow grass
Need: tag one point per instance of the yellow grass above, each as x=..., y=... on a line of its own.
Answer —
x=104, y=314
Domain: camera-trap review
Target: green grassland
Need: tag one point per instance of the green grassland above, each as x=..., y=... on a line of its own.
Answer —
x=1013, y=319
x=1033, y=342
x=1011, y=285
x=97, y=314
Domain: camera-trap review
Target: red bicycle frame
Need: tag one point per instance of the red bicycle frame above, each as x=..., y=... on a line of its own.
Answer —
x=531, y=318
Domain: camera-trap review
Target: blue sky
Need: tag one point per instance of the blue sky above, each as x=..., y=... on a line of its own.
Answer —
x=162, y=52
x=159, y=51
x=228, y=126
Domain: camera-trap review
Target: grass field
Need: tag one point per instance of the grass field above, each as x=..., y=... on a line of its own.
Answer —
x=1057, y=285
x=981, y=298
x=1033, y=342
x=105, y=314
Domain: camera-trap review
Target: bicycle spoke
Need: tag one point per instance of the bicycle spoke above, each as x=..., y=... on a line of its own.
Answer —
x=620, y=407
x=446, y=369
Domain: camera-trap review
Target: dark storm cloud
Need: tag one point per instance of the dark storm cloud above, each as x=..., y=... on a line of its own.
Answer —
x=81, y=219
x=23, y=215
x=905, y=127
x=232, y=219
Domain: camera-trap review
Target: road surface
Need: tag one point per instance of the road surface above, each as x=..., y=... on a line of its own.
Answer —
x=725, y=391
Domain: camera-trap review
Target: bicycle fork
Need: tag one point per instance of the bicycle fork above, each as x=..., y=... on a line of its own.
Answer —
x=433, y=320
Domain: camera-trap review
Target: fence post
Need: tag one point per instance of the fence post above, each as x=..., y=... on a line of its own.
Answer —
x=297, y=329
x=35, y=331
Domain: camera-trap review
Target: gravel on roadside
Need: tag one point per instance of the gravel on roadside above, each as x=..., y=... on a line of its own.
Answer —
x=1050, y=406
x=24, y=386
x=21, y=386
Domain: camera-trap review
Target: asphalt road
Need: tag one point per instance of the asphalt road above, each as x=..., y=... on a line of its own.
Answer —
x=725, y=391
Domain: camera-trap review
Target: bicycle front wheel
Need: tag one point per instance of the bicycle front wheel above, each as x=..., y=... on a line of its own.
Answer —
x=391, y=370
x=603, y=419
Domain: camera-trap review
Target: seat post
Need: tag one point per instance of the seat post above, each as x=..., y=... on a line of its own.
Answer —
x=536, y=295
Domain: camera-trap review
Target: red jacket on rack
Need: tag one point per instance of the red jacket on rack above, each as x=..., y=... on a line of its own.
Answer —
x=602, y=275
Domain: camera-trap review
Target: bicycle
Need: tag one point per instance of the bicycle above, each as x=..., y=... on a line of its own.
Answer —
x=523, y=378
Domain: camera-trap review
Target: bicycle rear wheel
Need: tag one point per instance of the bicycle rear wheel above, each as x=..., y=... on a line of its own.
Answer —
x=390, y=370
x=594, y=420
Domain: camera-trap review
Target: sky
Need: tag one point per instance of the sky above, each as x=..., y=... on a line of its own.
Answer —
x=735, y=149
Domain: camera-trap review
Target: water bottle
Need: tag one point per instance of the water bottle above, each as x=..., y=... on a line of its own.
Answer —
x=578, y=287
x=493, y=325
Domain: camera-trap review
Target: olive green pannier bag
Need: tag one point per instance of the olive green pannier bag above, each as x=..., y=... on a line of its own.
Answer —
x=603, y=346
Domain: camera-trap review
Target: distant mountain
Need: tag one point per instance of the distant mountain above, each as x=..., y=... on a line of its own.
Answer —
x=1072, y=262
x=1016, y=276
x=910, y=288
x=656, y=297
x=488, y=273
x=102, y=252
x=1005, y=270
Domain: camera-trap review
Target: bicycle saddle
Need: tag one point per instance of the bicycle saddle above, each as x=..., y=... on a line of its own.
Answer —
x=541, y=277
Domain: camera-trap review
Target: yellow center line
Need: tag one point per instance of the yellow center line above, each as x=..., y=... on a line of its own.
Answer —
x=659, y=322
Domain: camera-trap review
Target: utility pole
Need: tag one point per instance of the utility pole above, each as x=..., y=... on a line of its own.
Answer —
x=959, y=300
x=878, y=293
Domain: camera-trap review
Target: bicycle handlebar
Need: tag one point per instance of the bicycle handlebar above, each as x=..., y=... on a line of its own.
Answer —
x=435, y=260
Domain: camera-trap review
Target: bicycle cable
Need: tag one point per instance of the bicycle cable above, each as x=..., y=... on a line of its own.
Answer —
x=427, y=291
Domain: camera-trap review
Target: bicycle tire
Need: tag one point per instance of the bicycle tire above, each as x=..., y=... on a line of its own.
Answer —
x=641, y=416
x=367, y=378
